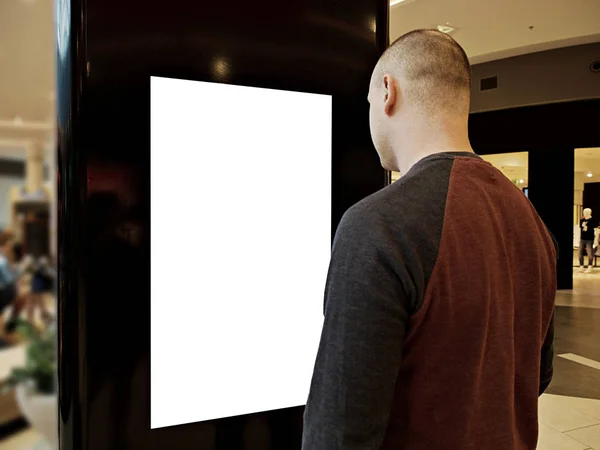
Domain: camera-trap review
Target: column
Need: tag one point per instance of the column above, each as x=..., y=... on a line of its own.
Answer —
x=34, y=167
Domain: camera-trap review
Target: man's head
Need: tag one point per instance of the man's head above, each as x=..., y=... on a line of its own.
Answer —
x=587, y=213
x=423, y=80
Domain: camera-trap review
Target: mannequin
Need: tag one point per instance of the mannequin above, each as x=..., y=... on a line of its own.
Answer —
x=587, y=225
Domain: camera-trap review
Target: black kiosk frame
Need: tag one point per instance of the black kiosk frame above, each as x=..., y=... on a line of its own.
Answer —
x=107, y=50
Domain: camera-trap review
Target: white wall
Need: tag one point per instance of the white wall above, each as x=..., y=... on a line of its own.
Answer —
x=6, y=183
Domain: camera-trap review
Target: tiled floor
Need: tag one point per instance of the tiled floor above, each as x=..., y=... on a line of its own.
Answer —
x=570, y=410
x=585, y=293
x=569, y=423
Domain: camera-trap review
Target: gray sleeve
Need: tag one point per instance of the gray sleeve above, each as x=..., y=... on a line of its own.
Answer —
x=547, y=366
x=361, y=344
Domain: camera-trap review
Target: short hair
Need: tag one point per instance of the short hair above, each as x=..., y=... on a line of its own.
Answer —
x=434, y=67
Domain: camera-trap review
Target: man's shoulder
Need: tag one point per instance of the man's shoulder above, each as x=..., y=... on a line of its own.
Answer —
x=375, y=211
x=406, y=204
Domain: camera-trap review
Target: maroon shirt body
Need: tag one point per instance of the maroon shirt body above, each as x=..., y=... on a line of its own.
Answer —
x=438, y=316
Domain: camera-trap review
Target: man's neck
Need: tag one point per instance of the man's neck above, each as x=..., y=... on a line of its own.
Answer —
x=430, y=136
x=414, y=157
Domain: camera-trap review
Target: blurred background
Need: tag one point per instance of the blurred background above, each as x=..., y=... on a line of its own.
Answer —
x=27, y=212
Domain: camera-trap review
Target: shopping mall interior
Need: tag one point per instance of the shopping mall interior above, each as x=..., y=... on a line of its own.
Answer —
x=501, y=37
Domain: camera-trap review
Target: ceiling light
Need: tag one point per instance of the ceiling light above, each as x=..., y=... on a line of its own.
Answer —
x=521, y=181
x=397, y=2
x=589, y=175
x=446, y=29
x=221, y=68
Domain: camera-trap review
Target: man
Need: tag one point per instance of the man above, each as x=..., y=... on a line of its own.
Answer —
x=587, y=227
x=440, y=295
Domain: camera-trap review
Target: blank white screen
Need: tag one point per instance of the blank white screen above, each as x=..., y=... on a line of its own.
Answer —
x=241, y=235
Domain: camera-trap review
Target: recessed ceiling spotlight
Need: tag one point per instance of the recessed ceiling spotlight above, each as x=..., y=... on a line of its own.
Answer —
x=589, y=175
x=521, y=181
x=221, y=68
x=446, y=29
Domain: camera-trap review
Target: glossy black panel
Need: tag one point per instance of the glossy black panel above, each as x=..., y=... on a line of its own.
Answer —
x=107, y=52
x=556, y=125
x=551, y=190
x=549, y=133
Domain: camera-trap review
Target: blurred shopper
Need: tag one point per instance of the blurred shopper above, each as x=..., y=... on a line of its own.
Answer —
x=8, y=279
x=19, y=267
x=42, y=284
x=439, y=303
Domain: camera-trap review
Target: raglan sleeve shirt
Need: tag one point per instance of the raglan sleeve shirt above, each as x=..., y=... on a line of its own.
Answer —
x=360, y=351
x=380, y=278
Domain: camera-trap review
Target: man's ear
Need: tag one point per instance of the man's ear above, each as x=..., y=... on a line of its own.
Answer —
x=390, y=88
